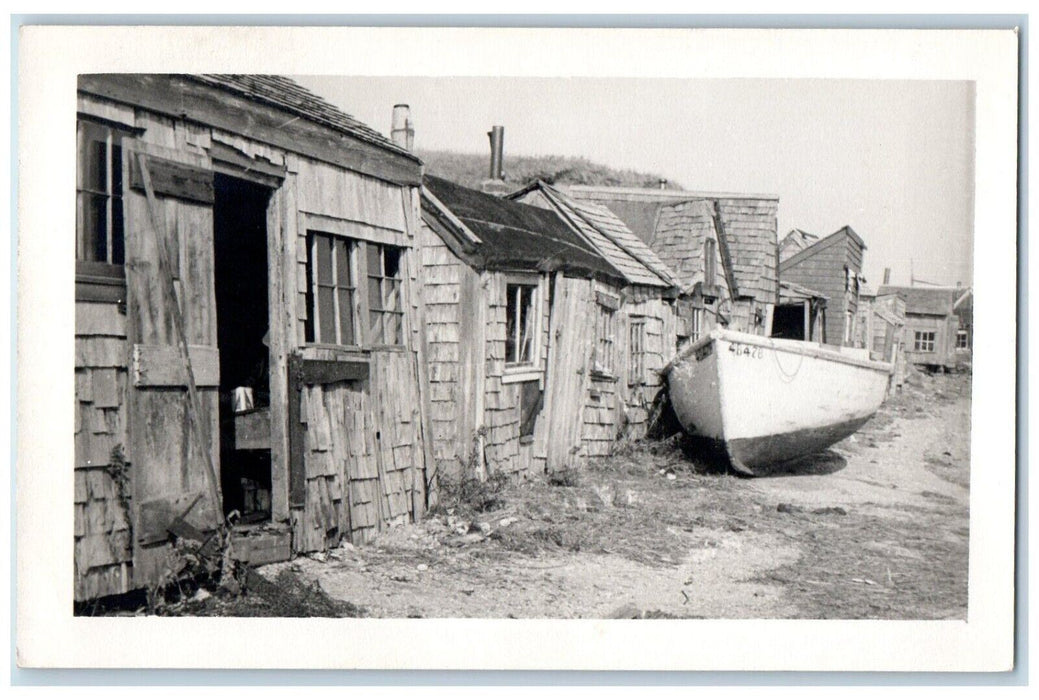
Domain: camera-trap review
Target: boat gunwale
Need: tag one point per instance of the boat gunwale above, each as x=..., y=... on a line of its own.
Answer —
x=797, y=347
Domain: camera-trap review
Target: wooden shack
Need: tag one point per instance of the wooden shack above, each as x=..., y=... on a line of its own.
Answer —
x=832, y=266
x=931, y=324
x=542, y=352
x=677, y=225
x=635, y=331
x=248, y=331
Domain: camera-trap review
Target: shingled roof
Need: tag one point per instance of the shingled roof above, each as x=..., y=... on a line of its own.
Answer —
x=284, y=93
x=513, y=235
x=746, y=230
x=608, y=234
x=638, y=207
x=925, y=301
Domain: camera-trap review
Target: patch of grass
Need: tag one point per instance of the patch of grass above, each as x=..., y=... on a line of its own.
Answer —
x=466, y=494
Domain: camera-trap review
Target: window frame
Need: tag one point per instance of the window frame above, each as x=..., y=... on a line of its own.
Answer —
x=91, y=274
x=384, y=312
x=922, y=343
x=636, y=350
x=604, y=360
x=710, y=269
x=358, y=237
x=313, y=320
x=962, y=335
x=519, y=371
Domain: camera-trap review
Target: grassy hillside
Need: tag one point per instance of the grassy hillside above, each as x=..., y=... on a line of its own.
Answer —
x=470, y=169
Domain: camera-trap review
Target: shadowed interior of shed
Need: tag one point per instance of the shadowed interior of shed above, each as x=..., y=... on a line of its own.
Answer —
x=240, y=250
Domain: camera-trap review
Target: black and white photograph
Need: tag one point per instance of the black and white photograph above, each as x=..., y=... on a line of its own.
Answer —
x=350, y=346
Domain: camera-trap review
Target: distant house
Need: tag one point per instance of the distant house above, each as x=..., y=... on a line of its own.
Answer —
x=542, y=348
x=931, y=324
x=832, y=266
x=722, y=247
x=794, y=242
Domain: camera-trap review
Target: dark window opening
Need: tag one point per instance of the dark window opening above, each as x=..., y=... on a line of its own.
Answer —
x=788, y=321
x=532, y=399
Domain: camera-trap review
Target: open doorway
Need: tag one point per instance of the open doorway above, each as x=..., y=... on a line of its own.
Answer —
x=240, y=270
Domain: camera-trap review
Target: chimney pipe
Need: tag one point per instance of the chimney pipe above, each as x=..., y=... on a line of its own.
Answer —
x=497, y=137
x=662, y=183
x=887, y=275
x=402, y=131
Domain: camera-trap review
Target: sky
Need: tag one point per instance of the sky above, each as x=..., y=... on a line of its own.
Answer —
x=892, y=159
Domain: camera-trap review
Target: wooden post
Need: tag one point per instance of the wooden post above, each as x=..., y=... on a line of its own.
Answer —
x=808, y=319
x=194, y=411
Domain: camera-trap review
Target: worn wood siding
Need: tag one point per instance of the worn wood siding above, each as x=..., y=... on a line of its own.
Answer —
x=349, y=499
x=103, y=550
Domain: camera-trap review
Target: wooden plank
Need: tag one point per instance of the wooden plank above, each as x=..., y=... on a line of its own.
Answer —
x=252, y=430
x=172, y=179
x=94, y=319
x=331, y=371
x=161, y=366
x=179, y=95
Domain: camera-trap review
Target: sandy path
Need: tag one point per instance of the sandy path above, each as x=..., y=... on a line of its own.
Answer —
x=893, y=541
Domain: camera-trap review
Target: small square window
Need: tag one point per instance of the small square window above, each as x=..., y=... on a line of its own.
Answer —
x=962, y=340
x=923, y=341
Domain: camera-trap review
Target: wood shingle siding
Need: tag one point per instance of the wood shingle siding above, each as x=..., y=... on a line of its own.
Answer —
x=350, y=451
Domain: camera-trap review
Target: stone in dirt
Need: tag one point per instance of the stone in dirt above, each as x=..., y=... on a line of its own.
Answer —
x=789, y=508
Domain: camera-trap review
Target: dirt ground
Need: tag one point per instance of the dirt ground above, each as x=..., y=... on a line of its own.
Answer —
x=876, y=527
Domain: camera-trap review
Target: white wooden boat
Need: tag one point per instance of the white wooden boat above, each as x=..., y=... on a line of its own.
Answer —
x=769, y=400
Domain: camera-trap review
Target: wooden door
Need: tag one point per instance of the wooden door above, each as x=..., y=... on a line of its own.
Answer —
x=569, y=364
x=172, y=422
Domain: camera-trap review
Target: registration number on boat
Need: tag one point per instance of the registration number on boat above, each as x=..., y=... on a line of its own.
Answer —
x=741, y=350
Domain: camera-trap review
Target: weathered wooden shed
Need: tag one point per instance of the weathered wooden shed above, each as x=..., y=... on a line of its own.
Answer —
x=833, y=266
x=635, y=328
x=510, y=295
x=745, y=227
x=931, y=324
x=248, y=330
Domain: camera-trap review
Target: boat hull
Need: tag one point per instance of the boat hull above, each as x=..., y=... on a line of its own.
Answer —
x=769, y=400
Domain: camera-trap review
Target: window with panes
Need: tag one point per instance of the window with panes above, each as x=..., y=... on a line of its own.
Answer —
x=385, y=308
x=99, y=194
x=520, y=324
x=923, y=341
x=331, y=297
x=604, y=334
